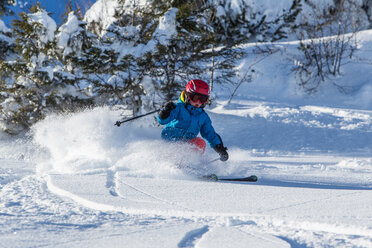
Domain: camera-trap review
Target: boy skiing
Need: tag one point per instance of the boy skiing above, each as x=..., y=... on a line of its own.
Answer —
x=184, y=120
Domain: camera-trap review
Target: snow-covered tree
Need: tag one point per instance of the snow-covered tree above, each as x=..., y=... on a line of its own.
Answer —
x=33, y=82
x=95, y=66
x=73, y=44
x=124, y=37
x=186, y=47
x=168, y=42
x=245, y=21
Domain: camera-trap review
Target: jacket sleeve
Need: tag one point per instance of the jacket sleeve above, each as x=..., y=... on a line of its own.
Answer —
x=173, y=114
x=207, y=132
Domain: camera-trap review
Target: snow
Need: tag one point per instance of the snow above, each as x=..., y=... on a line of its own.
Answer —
x=76, y=180
x=46, y=21
x=166, y=29
x=99, y=185
x=3, y=27
x=163, y=34
x=3, y=30
x=102, y=12
x=273, y=79
x=66, y=31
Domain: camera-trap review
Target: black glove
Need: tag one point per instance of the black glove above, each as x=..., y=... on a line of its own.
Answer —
x=166, y=109
x=222, y=151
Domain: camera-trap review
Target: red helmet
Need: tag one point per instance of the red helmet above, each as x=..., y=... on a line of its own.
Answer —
x=197, y=86
x=197, y=91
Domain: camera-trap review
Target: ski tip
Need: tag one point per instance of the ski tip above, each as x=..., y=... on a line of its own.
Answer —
x=254, y=178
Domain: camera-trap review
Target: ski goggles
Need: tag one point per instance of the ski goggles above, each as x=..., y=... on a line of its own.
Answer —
x=197, y=97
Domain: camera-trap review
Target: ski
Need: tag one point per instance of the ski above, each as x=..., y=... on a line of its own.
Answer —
x=214, y=177
x=252, y=178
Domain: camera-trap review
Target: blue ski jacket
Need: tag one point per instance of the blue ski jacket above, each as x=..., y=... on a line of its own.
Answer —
x=185, y=122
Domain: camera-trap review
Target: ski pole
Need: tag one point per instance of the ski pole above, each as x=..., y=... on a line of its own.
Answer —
x=214, y=160
x=118, y=123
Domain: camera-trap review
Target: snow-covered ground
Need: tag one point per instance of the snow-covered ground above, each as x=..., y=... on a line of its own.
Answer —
x=79, y=181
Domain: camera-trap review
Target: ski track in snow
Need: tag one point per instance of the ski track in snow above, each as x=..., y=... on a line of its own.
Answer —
x=112, y=200
x=153, y=196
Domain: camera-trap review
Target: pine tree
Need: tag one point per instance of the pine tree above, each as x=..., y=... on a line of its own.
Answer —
x=169, y=42
x=111, y=64
x=74, y=43
x=242, y=23
x=35, y=82
x=190, y=52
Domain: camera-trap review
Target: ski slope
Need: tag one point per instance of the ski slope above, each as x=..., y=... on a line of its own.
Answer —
x=100, y=185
